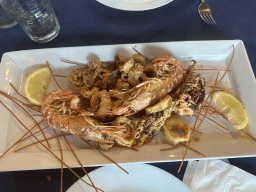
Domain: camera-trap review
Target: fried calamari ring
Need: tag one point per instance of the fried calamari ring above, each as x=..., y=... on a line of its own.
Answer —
x=176, y=124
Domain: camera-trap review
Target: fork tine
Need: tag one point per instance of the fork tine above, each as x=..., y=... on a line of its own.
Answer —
x=206, y=19
x=207, y=15
x=211, y=17
x=201, y=15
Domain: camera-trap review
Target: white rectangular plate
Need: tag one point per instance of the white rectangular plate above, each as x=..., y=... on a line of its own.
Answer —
x=215, y=142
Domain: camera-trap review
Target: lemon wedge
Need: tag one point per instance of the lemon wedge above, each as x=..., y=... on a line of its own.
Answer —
x=230, y=108
x=35, y=85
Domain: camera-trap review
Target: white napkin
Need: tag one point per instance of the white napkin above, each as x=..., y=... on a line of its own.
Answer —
x=217, y=175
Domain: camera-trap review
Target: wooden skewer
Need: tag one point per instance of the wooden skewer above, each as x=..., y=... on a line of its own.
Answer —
x=228, y=67
x=27, y=105
x=224, y=89
x=196, y=131
x=248, y=134
x=66, y=141
x=104, y=155
x=240, y=129
x=18, y=139
x=72, y=62
x=61, y=157
x=61, y=76
x=197, y=126
x=212, y=69
x=174, y=147
x=185, y=146
x=212, y=121
x=49, y=138
x=24, y=104
x=193, y=149
x=141, y=54
x=53, y=75
x=31, y=118
x=47, y=147
x=34, y=133
x=79, y=162
x=216, y=84
x=64, y=135
x=17, y=92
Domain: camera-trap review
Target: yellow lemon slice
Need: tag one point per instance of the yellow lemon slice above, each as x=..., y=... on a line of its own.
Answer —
x=230, y=108
x=35, y=85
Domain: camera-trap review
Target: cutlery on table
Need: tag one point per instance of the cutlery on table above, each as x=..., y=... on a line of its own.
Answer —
x=205, y=13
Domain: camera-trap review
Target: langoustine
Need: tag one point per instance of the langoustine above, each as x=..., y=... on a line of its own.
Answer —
x=61, y=111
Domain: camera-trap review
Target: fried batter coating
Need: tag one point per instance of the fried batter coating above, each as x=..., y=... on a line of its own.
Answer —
x=87, y=93
x=106, y=146
x=143, y=77
x=139, y=59
x=122, y=86
x=127, y=66
x=134, y=74
x=149, y=71
x=105, y=104
x=119, y=61
x=95, y=102
x=130, y=125
x=95, y=69
x=117, y=94
x=163, y=104
x=176, y=124
x=76, y=78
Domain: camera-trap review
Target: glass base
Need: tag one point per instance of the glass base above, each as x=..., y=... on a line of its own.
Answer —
x=8, y=25
x=48, y=37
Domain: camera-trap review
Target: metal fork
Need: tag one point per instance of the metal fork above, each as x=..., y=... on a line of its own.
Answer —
x=205, y=13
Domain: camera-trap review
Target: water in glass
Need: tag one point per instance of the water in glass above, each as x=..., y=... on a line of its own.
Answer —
x=36, y=17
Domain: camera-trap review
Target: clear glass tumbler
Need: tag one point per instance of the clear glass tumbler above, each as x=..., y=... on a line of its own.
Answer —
x=36, y=17
x=5, y=20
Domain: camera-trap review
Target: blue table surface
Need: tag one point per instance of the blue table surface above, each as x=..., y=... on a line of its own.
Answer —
x=89, y=22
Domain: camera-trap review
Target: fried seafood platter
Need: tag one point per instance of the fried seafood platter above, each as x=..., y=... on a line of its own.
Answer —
x=126, y=101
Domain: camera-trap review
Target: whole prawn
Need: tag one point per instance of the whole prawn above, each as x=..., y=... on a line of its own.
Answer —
x=69, y=117
x=168, y=74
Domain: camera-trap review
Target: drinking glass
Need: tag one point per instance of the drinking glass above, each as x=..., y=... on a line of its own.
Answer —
x=5, y=20
x=36, y=17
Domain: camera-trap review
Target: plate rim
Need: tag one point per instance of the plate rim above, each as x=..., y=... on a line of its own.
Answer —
x=126, y=6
